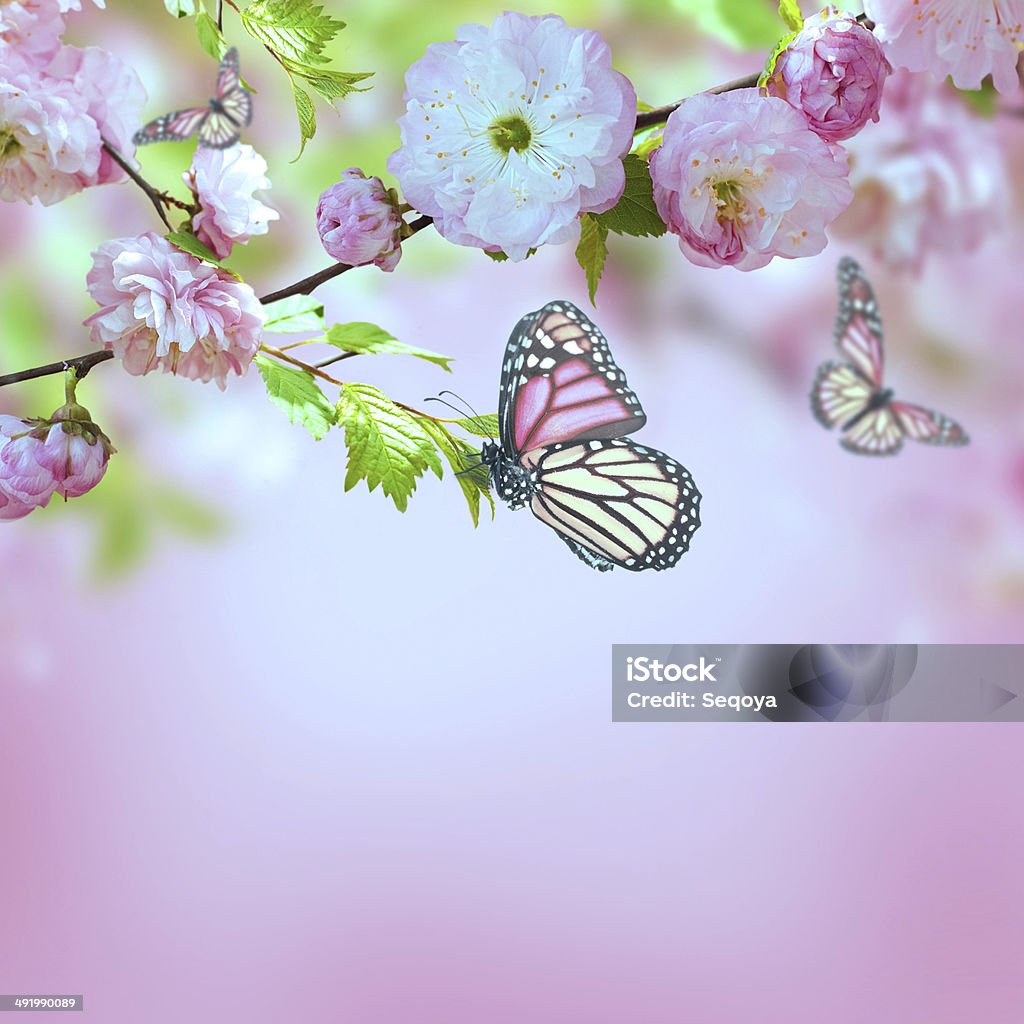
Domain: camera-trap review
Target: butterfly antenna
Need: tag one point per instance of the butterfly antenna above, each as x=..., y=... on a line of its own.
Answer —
x=472, y=411
x=460, y=412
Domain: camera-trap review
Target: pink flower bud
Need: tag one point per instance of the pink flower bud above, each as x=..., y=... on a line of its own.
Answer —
x=834, y=72
x=359, y=223
x=25, y=482
x=75, y=451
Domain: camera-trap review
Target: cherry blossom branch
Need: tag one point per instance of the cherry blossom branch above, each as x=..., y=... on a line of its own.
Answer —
x=159, y=199
x=80, y=364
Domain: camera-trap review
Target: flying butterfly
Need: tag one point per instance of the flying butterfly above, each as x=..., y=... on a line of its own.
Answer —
x=563, y=415
x=851, y=394
x=219, y=123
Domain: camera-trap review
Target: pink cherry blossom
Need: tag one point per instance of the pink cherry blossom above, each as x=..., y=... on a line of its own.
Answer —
x=49, y=145
x=512, y=131
x=25, y=482
x=741, y=178
x=32, y=28
x=224, y=182
x=114, y=97
x=833, y=72
x=359, y=223
x=161, y=308
x=930, y=176
x=965, y=39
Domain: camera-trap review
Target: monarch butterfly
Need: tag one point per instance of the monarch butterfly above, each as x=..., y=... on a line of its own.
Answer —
x=218, y=123
x=850, y=394
x=564, y=410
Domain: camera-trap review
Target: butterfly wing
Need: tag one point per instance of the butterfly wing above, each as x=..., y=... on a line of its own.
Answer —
x=218, y=131
x=559, y=383
x=174, y=127
x=878, y=432
x=858, y=333
x=228, y=74
x=616, y=502
x=839, y=394
x=927, y=426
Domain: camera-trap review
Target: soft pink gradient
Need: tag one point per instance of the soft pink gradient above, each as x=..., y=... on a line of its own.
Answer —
x=354, y=767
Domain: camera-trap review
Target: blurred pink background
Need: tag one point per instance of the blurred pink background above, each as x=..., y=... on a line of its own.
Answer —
x=317, y=760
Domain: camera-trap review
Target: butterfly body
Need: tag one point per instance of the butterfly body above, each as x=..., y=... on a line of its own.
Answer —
x=218, y=124
x=851, y=394
x=564, y=411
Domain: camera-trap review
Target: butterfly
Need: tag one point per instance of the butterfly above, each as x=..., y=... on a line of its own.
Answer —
x=218, y=123
x=564, y=410
x=851, y=395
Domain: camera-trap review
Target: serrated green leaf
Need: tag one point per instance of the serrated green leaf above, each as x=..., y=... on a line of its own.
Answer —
x=211, y=39
x=635, y=213
x=592, y=251
x=480, y=426
x=298, y=394
x=294, y=315
x=387, y=446
x=473, y=479
x=331, y=85
x=188, y=242
x=294, y=29
x=307, y=116
x=789, y=12
x=180, y=8
x=369, y=338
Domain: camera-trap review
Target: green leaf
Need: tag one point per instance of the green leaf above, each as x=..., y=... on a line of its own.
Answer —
x=635, y=213
x=307, y=115
x=742, y=24
x=386, y=444
x=646, y=146
x=789, y=12
x=474, y=482
x=780, y=48
x=298, y=393
x=294, y=29
x=180, y=8
x=592, y=251
x=369, y=338
x=294, y=315
x=210, y=37
x=188, y=242
x=480, y=426
x=331, y=85
x=500, y=257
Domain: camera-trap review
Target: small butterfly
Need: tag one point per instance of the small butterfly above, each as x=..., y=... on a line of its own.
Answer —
x=564, y=410
x=850, y=395
x=219, y=123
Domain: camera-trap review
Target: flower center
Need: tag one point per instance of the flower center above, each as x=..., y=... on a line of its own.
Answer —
x=510, y=132
x=9, y=145
x=731, y=203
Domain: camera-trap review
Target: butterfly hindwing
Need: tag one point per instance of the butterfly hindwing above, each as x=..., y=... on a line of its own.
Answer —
x=858, y=333
x=839, y=394
x=559, y=383
x=877, y=432
x=927, y=426
x=218, y=131
x=620, y=502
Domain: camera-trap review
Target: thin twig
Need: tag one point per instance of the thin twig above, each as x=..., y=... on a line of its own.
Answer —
x=308, y=284
x=156, y=198
x=80, y=364
x=220, y=16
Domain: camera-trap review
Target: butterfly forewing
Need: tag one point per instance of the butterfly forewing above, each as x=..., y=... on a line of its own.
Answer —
x=174, y=127
x=620, y=502
x=228, y=74
x=858, y=332
x=559, y=383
